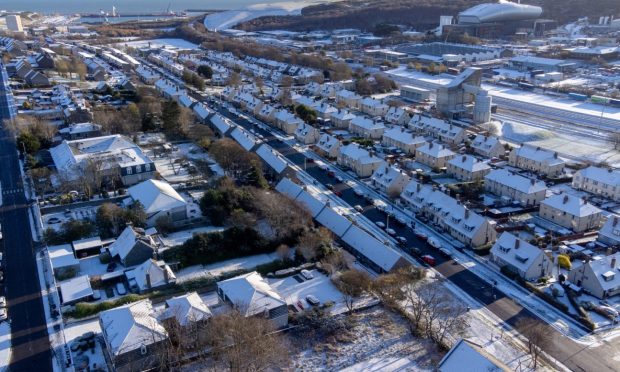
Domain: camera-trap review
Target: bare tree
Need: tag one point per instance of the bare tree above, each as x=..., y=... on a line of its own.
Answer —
x=352, y=284
x=312, y=241
x=537, y=334
x=239, y=343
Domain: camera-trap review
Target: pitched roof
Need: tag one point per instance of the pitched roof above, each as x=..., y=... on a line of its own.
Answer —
x=131, y=326
x=602, y=175
x=126, y=241
x=467, y=353
x=158, y=275
x=435, y=150
x=538, y=154
x=186, y=308
x=469, y=163
x=571, y=204
x=252, y=292
x=607, y=276
x=156, y=196
x=516, y=181
x=515, y=251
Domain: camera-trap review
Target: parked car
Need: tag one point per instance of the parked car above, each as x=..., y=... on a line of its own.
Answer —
x=312, y=300
x=416, y=251
x=358, y=192
x=401, y=220
x=2, y=301
x=111, y=267
x=340, y=179
x=338, y=193
x=390, y=231
x=420, y=235
x=0, y=232
x=3, y=314
x=402, y=241
x=310, y=160
x=307, y=274
x=120, y=289
x=331, y=174
x=380, y=224
x=429, y=259
x=433, y=242
x=329, y=186
x=53, y=220
x=358, y=208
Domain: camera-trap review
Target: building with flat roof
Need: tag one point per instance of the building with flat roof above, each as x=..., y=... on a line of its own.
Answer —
x=14, y=23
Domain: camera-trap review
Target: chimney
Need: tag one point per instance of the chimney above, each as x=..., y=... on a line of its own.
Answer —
x=613, y=263
x=532, y=181
x=565, y=200
x=166, y=275
x=464, y=158
x=615, y=221
x=517, y=243
x=430, y=145
x=555, y=155
x=148, y=280
x=418, y=187
x=466, y=213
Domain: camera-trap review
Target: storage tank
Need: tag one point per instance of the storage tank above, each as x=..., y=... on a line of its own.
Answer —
x=482, y=107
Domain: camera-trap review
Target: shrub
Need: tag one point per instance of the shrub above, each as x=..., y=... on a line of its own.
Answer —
x=84, y=309
x=564, y=261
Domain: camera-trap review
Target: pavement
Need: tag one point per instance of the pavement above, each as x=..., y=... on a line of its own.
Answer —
x=30, y=343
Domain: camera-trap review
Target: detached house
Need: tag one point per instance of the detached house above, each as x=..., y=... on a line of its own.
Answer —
x=366, y=127
x=467, y=168
x=435, y=155
x=510, y=185
x=598, y=181
x=528, y=261
x=361, y=161
x=150, y=275
x=402, y=139
x=133, y=247
x=389, y=180
x=571, y=212
x=489, y=147
x=599, y=277
x=133, y=336
x=186, y=310
x=535, y=159
x=328, y=146
x=159, y=200
x=253, y=296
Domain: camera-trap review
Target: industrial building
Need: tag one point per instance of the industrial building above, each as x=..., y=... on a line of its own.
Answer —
x=14, y=23
x=451, y=53
x=464, y=97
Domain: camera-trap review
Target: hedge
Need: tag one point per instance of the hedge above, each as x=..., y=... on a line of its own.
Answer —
x=84, y=309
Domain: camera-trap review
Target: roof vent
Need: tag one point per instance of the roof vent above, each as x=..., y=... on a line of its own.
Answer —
x=565, y=199
x=532, y=181
x=517, y=243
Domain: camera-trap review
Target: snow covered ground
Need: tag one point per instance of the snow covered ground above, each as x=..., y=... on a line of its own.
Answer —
x=179, y=237
x=231, y=18
x=161, y=43
x=5, y=345
x=95, y=356
x=218, y=268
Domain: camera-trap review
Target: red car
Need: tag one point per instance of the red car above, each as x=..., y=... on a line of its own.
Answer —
x=331, y=174
x=338, y=193
x=429, y=259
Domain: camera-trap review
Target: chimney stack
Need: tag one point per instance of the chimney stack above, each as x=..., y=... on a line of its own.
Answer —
x=613, y=263
x=565, y=200
x=166, y=275
x=148, y=280
x=517, y=243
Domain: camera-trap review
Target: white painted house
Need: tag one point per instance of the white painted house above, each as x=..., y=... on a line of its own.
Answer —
x=571, y=212
x=536, y=159
x=389, y=180
x=307, y=134
x=467, y=168
x=527, y=191
x=403, y=139
x=435, y=155
x=521, y=257
x=489, y=147
x=599, y=181
x=599, y=277
x=366, y=127
x=328, y=146
x=362, y=162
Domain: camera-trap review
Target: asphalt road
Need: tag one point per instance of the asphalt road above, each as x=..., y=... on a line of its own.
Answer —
x=30, y=343
x=576, y=356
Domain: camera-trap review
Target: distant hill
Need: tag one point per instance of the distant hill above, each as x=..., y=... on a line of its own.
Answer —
x=420, y=14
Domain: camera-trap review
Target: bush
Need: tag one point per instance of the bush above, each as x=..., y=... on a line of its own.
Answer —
x=509, y=273
x=546, y=296
x=564, y=261
x=84, y=309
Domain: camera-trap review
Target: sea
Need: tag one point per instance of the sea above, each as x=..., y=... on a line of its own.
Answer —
x=67, y=7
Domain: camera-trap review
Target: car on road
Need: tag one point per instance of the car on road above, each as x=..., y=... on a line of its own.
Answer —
x=340, y=179
x=358, y=192
x=359, y=208
x=2, y=301
x=416, y=251
x=329, y=186
x=312, y=300
x=429, y=259
x=390, y=231
x=307, y=274
x=420, y=235
x=402, y=241
x=111, y=267
x=401, y=220
x=433, y=242
x=310, y=160
x=380, y=224
x=3, y=315
x=338, y=193
x=331, y=173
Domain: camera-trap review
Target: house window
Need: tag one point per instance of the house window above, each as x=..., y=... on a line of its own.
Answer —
x=147, y=167
x=129, y=170
x=143, y=349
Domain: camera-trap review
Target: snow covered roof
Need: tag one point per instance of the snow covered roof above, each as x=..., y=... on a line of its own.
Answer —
x=354, y=151
x=372, y=102
x=131, y=326
x=156, y=196
x=336, y=223
x=327, y=142
x=289, y=188
x=224, y=125
x=272, y=157
x=469, y=163
x=484, y=143
x=516, y=181
x=342, y=115
x=467, y=353
x=386, y=175
x=62, y=256
x=516, y=252
x=201, y=110
x=611, y=229
x=251, y=292
x=186, y=309
x=127, y=240
x=602, y=175
x=499, y=12
x=607, y=275
x=415, y=193
x=313, y=204
x=346, y=94
x=244, y=138
x=366, y=123
x=374, y=250
x=570, y=204
x=80, y=128
x=159, y=275
x=400, y=134
x=87, y=243
x=435, y=150
x=538, y=154
x=185, y=100
x=75, y=289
